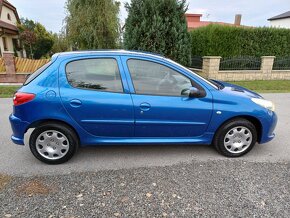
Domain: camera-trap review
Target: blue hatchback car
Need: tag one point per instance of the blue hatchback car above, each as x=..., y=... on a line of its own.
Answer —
x=86, y=98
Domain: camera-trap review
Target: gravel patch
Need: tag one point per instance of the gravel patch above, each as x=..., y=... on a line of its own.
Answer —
x=4, y=181
x=199, y=189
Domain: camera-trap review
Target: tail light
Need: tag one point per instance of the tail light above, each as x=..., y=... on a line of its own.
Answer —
x=22, y=98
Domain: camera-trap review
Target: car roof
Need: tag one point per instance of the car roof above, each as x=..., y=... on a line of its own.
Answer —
x=106, y=52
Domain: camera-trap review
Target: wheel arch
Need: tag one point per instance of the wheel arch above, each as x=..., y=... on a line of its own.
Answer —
x=54, y=121
x=255, y=121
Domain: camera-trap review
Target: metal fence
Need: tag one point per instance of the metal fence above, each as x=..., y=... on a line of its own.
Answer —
x=196, y=62
x=241, y=63
x=281, y=63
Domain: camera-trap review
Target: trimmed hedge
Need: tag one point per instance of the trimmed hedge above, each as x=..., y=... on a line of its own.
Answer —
x=228, y=41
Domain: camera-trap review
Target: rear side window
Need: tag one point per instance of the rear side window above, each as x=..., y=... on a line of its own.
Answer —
x=98, y=74
x=37, y=73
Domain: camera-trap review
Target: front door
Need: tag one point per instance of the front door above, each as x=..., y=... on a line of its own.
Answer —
x=160, y=108
x=93, y=94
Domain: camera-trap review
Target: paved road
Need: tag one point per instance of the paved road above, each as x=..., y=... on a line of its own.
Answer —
x=18, y=161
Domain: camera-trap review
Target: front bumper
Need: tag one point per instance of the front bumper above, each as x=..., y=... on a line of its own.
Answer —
x=269, y=124
x=19, y=128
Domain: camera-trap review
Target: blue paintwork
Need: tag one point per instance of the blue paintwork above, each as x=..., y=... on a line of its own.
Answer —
x=129, y=118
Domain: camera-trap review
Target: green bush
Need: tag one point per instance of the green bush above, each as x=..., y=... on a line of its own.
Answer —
x=228, y=41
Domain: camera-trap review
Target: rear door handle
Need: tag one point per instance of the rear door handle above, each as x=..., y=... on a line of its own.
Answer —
x=145, y=106
x=75, y=103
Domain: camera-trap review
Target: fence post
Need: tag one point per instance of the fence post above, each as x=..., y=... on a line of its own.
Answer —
x=9, y=63
x=267, y=66
x=211, y=66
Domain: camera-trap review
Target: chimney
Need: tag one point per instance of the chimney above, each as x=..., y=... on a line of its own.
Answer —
x=238, y=19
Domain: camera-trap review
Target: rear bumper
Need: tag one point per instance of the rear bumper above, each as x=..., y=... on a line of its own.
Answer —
x=19, y=128
x=269, y=124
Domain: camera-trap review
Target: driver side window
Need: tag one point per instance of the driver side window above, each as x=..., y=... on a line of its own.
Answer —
x=151, y=78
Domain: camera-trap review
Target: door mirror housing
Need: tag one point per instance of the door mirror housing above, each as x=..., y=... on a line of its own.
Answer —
x=193, y=92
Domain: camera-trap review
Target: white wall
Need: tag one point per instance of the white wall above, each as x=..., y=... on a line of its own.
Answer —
x=281, y=23
x=9, y=43
x=13, y=21
x=1, y=46
x=4, y=16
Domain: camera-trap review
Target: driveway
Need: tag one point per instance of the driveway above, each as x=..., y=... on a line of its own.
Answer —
x=17, y=160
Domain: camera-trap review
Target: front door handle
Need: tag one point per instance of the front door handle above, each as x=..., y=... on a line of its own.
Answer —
x=145, y=106
x=75, y=103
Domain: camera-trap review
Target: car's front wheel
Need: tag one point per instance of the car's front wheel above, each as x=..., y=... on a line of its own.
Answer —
x=53, y=143
x=235, y=138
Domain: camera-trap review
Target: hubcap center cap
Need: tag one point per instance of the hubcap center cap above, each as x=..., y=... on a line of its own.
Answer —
x=50, y=149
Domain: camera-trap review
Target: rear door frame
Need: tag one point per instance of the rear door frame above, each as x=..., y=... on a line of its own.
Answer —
x=62, y=79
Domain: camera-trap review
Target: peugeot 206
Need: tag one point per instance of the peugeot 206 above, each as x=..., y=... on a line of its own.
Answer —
x=93, y=98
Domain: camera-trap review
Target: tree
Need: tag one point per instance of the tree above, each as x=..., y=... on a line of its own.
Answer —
x=158, y=26
x=61, y=43
x=35, y=38
x=28, y=39
x=43, y=43
x=93, y=24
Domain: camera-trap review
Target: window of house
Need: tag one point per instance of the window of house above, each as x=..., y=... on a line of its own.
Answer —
x=5, y=43
x=151, y=78
x=16, y=44
x=99, y=74
x=8, y=16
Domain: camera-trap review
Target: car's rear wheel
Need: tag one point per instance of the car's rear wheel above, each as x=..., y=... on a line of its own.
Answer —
x=53, y=143
x=235, y=138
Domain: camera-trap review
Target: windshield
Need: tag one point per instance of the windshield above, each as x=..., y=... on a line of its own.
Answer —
x=36, y=73
x=205, y=80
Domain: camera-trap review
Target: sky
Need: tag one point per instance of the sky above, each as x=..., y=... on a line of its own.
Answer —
x=51, y=13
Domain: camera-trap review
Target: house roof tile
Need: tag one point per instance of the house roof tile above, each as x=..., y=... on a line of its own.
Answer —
x=193, y=25
x=8, y=26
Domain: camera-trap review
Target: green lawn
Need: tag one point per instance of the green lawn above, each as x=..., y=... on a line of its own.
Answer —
x=274, y=86
x=7, y=91
x=277, y=86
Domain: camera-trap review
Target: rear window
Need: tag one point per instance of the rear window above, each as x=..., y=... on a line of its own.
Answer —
x=36, y=73
x=101, y=74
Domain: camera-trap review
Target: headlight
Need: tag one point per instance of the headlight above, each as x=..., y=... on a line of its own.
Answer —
x=264, y=103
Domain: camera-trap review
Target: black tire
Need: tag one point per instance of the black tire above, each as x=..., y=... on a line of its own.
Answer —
x=219, y=139
x=68, y=132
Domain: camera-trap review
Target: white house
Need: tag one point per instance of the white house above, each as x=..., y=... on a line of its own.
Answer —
x=9, y=34
x=281, y=20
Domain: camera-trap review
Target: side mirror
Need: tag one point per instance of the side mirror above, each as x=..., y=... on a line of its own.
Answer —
x=193, y=92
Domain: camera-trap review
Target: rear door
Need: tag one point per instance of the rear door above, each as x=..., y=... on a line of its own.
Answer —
x=94, y=92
